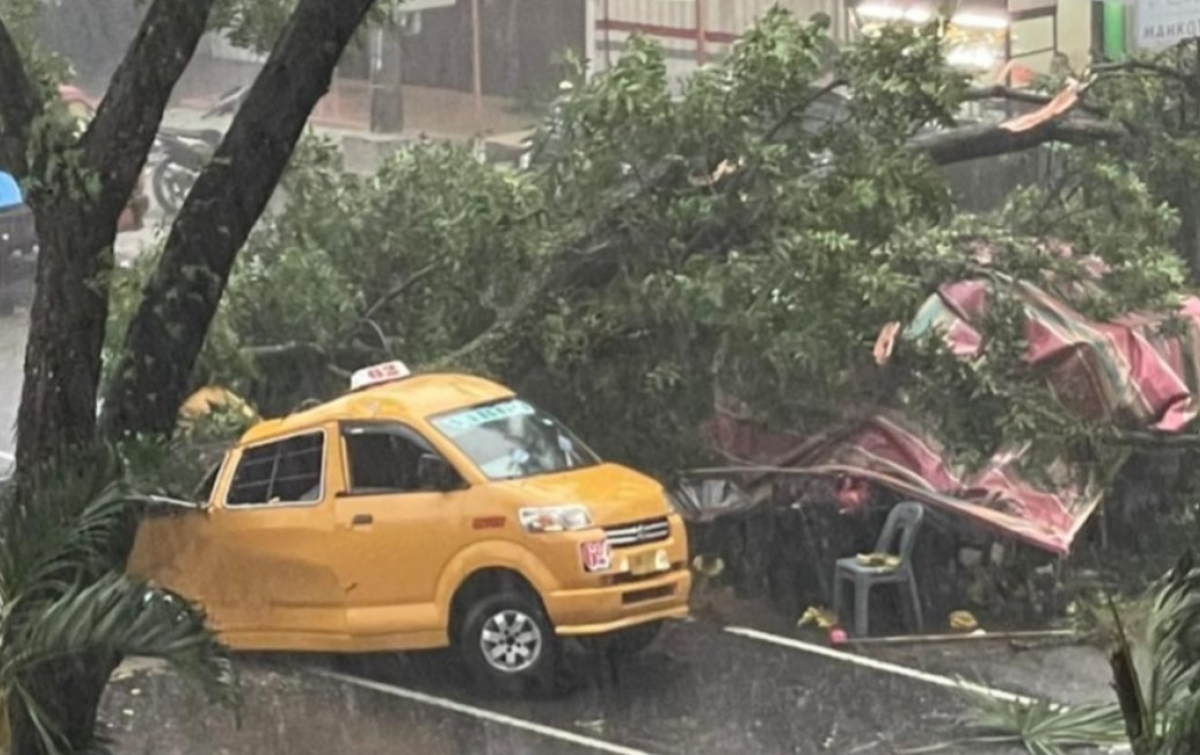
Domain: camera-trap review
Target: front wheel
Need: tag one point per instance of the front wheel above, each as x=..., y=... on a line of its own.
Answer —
x=508, y=644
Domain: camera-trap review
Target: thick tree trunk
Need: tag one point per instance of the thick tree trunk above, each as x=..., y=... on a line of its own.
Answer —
x=77, y=229
x=168, y=331
x=62, y=357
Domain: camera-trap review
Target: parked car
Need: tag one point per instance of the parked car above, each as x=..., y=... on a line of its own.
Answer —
x=424, y=511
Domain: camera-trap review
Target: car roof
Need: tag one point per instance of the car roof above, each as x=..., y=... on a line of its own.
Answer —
x=10, y=191
x=411, y=398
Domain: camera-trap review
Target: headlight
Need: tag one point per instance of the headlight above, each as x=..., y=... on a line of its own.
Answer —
x=555, y=518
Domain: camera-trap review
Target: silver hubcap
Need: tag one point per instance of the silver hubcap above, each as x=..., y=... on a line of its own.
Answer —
x=511, y=642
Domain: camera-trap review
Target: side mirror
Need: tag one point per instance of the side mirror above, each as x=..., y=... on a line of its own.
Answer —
x=435, y=474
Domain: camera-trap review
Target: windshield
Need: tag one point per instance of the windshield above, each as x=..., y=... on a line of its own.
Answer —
x=512, y=438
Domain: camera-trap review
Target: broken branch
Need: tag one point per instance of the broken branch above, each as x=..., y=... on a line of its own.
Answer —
x=399, y=289
x=992, y=139
x=1001, y=92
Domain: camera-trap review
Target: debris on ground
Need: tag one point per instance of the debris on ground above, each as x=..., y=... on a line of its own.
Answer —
x=963, y=621
x=822, y=618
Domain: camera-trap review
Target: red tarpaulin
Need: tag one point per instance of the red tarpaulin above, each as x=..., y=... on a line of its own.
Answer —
x=1124, y=371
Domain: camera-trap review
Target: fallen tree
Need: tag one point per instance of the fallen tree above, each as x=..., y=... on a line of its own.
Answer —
x=663, y=247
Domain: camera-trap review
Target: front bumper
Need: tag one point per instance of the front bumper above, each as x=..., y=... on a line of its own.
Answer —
x=623, y=604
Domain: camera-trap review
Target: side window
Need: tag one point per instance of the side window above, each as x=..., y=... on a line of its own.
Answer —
x=287, y=471
x=383, y=458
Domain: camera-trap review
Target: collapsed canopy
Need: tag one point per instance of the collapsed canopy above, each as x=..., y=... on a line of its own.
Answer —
x=1127, y=372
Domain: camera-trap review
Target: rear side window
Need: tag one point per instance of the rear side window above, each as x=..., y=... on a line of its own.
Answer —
x=286, y=471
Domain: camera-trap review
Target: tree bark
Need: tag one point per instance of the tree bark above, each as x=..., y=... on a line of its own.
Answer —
x=169, y=328
x=19, y=104
x=989, y=140
x=77, y=228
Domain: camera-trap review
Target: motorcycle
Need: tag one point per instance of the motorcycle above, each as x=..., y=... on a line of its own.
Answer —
x=180, y=154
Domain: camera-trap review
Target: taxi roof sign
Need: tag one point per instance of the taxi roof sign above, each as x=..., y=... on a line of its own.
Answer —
x=379, y=373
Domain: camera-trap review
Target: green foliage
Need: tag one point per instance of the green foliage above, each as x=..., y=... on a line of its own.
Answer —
x=747, y=232
x=66, y=599
x=54, y=156
x=1040, y=726
x=408, y=263
x=256, y=24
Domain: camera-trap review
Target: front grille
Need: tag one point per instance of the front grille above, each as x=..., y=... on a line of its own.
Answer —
x=638, y=533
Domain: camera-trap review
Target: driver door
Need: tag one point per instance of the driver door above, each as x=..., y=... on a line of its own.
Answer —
x=394, y=535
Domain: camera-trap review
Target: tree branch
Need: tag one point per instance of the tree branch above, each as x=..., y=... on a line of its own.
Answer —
x=1190, y=82
x=828, y=88
x=169, y=329
x=122, y=132
x=19, y=105
x=988, y=140
x=398, y=290
x=594, y=259
x=1001, y=92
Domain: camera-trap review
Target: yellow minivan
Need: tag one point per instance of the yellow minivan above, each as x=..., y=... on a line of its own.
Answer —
x=423, y=511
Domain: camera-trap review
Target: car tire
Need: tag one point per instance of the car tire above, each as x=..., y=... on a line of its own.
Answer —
x=632, y=641
x=508, y=645
x=171, y=184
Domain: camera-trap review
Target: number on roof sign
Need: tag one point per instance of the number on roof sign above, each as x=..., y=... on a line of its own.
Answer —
x=379, y=373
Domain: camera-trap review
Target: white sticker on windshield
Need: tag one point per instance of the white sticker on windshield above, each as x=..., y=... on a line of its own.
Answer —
x=457, y=424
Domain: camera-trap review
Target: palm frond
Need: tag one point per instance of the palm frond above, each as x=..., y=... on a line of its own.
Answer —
x=1157, y=682
x=52, y=739
x=1174, y=647
x=1043, y=726
x=120, y=616
x=74, y=510
x=72, y=552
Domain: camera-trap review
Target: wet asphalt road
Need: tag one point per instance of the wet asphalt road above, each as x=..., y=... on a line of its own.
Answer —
x=702, y=690
x=699, y=690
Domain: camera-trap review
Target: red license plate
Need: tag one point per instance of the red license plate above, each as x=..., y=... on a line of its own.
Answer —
x=596, y=555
